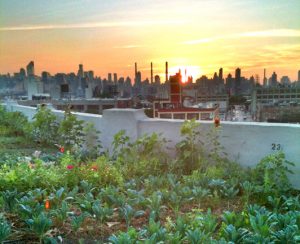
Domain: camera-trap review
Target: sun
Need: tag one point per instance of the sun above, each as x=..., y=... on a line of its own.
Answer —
x=186, y=72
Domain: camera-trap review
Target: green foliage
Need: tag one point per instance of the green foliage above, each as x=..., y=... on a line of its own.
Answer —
x=45, y=126
x=100, y=196
x=39, y=225
x=127, y=213
x=12, y=123
x=190, y=149
x=5, y=229
x=70, y=131
x=9, y=198
x=101, y=212
x=272, y=172
x=138, y=158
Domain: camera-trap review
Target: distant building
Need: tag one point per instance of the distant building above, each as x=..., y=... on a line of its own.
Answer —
x=115, y=78
x=157, y=80
x=22, y=73
x=274, y=79
x=273, y=96
x=285, y=80
x=173, y=108
x=265, y=81
x=237, y=81
x=30, y=69
x=221, y=75
x=298, y=75
x=80, y=71
x=109, y=77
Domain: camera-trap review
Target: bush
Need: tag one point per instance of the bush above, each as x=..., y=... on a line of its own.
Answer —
x=70, y=131
x=45, y=126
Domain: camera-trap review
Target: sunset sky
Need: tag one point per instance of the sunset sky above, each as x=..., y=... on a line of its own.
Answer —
x=110, y=35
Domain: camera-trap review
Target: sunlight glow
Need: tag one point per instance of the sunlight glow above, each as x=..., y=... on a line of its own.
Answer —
x=186, y=71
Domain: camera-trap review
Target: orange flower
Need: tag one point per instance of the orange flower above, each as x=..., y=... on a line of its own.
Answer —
x=47, y=204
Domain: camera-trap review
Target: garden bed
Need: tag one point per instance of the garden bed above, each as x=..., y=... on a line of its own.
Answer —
x=137, y=193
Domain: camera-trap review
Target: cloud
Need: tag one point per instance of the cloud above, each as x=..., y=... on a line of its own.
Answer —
x=272, y=33
x=255, y=34
x=129, y=46
x=94, y=25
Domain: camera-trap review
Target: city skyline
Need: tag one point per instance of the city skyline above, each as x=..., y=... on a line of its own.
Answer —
x=200, y=36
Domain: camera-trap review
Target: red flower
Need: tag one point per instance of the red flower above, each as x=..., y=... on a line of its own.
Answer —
x=62, y=149
x=70, y=166
x=94, y=168
x=217, y=122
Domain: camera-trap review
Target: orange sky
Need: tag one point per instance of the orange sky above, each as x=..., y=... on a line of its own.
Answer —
x=199, y=35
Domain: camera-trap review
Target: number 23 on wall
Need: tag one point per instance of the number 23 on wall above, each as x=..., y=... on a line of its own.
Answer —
x=276, y=147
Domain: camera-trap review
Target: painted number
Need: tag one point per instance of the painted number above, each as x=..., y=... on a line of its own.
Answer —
x=276, y=147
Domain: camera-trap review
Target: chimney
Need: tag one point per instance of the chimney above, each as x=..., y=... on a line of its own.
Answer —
x=166, y=71
x=135, y=71
x=151, y=73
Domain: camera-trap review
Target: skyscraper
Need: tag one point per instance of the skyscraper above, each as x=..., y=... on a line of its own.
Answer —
x=80, y=71
x=298, y=75
x=237, y=83
x=115, y=78
x=22, y=73
x=274, y=79
x=221, y=75
x=109, y=77
x=265, y=78
x=30, y=69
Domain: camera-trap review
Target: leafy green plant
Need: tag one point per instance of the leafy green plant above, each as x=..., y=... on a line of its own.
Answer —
x=101, y=212
x=154, y=203
x=233, y=234
x=291, y=203
x=39, y=225
x=248, y=189
x=156, y=233
x=5, y=229
x=229, y=191
x=61, y=214
x=10, y=199
x=208, y=222
x=128, y=237
x=260, y=223
x=272, y=171
x=77, y=221
x=128, y=213
x=290, y=234
x=232, y=218
x=190, y=149
x=196, y=236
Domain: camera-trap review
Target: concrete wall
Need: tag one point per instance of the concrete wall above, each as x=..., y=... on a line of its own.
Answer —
x=244, y=142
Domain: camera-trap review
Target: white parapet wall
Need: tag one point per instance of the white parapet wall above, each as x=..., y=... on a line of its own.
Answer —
x=244, y=142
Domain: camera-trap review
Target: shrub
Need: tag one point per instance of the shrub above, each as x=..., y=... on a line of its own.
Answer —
x=272, y=173
x=45, y=126
x=70, y=131
x=143, y=157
